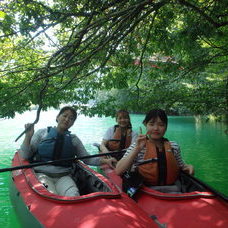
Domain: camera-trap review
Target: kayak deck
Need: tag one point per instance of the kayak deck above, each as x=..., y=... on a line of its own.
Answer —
x=196, y=207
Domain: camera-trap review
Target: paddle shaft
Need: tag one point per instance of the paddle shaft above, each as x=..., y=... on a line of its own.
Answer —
x=60, y=160
x=146, y=161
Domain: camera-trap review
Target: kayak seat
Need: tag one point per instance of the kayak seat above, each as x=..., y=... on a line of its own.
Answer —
x=174, y=189
x=87, y=182
x=189, y=185
x=183, y=185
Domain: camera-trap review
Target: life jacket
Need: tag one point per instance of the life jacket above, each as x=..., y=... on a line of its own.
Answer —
x=56, y=146
x=165, y=171
x=122, y=142
x=119, y=141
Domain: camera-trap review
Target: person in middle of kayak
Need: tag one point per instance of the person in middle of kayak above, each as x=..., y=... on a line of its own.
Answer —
x=120, y=136
x=56, y=143
x=165, y=170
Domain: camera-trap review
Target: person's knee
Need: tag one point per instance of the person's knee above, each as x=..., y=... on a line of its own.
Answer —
x=72, y=191
x=66, y=187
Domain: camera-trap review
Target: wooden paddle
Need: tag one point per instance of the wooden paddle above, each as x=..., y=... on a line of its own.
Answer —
x=60, y=160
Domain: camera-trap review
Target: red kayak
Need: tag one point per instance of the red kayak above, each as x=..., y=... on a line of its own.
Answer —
x=101, y=203
x=198, y=206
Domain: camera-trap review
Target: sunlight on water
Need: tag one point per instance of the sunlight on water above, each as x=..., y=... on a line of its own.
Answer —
x=203, y=145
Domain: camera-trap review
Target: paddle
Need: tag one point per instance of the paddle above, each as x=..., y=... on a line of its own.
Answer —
x=217, y=193
x=60, y=160
x=99, y=149
x=146, y=161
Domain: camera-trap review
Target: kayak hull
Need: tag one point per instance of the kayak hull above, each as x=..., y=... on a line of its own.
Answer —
x=37, y=207
x=199, y=208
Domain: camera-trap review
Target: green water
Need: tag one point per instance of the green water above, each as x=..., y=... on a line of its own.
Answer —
x=203, y=145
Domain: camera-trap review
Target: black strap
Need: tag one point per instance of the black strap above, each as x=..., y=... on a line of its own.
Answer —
x=132, y=181
x=162, y=166
x=122, y=141
x=48, y=129
x=58, y=147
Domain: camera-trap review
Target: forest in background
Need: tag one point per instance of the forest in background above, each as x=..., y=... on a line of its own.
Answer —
x=104, y=55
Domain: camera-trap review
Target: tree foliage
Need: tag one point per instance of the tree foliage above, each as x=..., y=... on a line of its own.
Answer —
x=103, y=55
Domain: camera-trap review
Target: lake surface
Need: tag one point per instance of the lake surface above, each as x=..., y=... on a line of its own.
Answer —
x=204, y=145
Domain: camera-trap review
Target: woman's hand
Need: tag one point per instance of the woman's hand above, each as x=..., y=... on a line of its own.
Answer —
x=30, y=130
x=103, y=148
x=110, y=162
x=188, y=169
x=140, y=142
x=28, y=134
